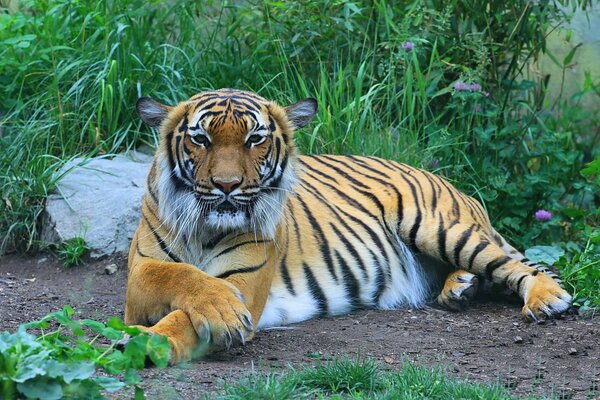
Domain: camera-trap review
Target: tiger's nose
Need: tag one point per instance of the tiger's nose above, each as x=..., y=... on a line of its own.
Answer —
x=226, y=185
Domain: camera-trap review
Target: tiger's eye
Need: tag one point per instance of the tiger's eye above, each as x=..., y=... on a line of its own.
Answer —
x=200, y=140
x=255, y=139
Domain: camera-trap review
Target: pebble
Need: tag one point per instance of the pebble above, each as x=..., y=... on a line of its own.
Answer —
x=110, y=269
x=572, y=351
x=518, y=339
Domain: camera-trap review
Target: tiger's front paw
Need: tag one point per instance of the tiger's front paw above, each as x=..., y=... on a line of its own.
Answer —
x=218, y=313
x=545, y=299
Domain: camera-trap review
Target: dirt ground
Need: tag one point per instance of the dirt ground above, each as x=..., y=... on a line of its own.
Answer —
x=489, y=342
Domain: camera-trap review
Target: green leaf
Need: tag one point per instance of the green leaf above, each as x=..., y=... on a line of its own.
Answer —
x=132, y=377
x=41, y=388
x=70, y=371
x=109, y=384
x=31, y=366
x=159, y=350
x=571, y=54
x=546, y=254
x=118, y=324
x=592, y=168
x=95, y=326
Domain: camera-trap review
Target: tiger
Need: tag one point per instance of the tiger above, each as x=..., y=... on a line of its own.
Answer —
x=239, y=232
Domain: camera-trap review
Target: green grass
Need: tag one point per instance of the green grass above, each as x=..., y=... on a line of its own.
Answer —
x=72, y=251
x=359, y=379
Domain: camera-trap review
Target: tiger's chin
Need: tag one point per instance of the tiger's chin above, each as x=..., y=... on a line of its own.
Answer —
x=227, y=220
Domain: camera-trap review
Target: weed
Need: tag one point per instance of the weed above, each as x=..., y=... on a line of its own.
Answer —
x=62, y=361
x=71, y=251
x=358, y=379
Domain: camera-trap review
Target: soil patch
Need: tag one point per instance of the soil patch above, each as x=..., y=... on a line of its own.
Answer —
x=489, y=342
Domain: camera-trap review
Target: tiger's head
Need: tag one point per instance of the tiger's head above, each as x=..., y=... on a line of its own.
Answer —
x=225, y=161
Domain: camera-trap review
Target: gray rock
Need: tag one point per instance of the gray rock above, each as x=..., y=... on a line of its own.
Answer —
x=99, y=200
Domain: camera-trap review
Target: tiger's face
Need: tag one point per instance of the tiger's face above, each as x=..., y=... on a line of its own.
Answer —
x=225, y=160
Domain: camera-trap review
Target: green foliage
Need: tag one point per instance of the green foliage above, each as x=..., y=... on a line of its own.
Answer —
x=358, y=379
x=71, y=251
x=62, y=361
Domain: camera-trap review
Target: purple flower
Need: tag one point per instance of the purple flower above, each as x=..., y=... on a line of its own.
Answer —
x=460, y=85
x=474, y=87
x=408, y=46
x=433, y=164
x=543, y=215
x=477, y=107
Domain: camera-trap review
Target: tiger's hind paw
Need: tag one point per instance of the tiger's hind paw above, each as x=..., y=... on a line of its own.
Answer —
x=459, y=289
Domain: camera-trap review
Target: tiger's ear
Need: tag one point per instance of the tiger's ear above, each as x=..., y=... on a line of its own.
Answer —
x=151, y=111
x=301, y=113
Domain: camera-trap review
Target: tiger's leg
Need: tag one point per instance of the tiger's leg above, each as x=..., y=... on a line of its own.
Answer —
x=517, y=255
x=214, y=308
x=543, y=297
x=459, y=289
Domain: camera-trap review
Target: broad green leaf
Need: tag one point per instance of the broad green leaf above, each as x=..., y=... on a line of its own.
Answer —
x=546, y=254
x=70, y=371
x=41, y=388
x=93, y=325
x=32, y=366
x=159, y=350
x=109, y=384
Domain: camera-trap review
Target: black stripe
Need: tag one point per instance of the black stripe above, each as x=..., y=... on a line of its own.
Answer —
x=215, y=240
x=316, y=291
x=296, y=227
x=341, y=194
x=348, y=246
x=342, y=221
x=477, y=250
x=177, y=181
x=362, y=163
x=235, y=246
x=494, y=265
x=245, y=270
x=286, y=276
x=464, y=238
x=520, y=282
x=370, y=231
x=323, y=242
x=137, y=249
x=161, y=243
x=442, y=240
x=350, y=282
x=340, y=172
x=275, y=161
x=379, y=281
x=388, y=185
x=316, y=171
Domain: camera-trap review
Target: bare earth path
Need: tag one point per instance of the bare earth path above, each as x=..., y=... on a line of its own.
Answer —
x=488, y=343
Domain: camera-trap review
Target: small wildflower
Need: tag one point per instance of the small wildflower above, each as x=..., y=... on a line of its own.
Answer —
x=477, y=108
x=460, y=86
x=543, y=215
x=408, y=46
x=474, y=87
x=486, y=94
x=433, y=164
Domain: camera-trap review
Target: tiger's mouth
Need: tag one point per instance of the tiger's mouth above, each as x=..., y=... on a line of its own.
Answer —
x=227, y=207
